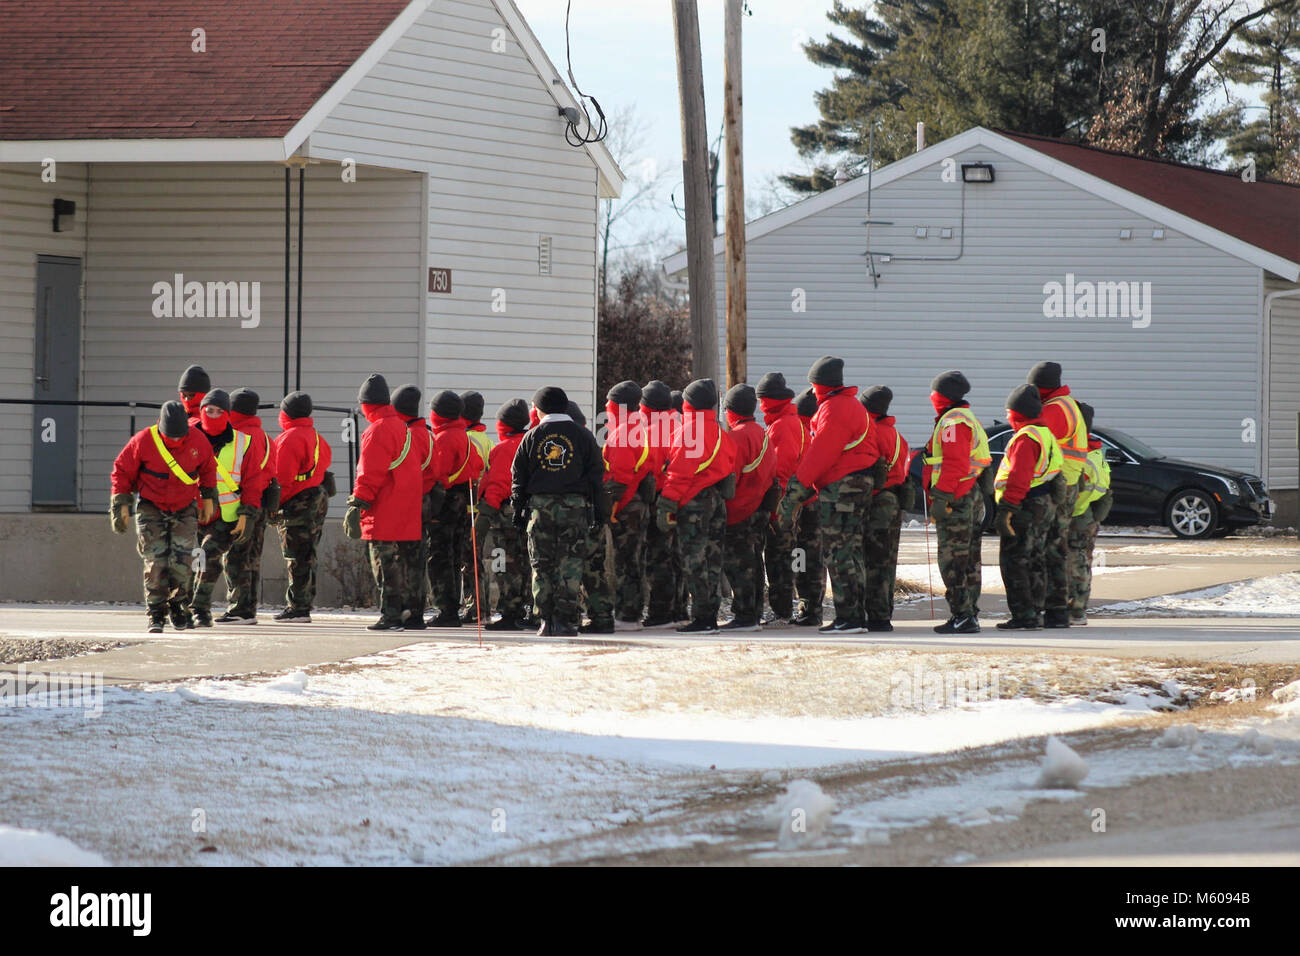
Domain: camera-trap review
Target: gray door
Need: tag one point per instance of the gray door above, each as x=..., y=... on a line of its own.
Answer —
x=58, y=364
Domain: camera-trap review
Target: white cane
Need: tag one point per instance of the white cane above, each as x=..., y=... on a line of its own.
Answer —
x=473, y=540
x=929, y=574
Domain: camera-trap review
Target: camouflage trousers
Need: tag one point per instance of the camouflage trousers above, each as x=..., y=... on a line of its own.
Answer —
x=958, y=540
x=1083, y=541
x=244, y=568
x=301, y=525
x=503, y=559
x=664, y=575
x=1058, y=553
x=558, y=546
x=215, y=539
x=809, y=563
x=628, y=532
x=843, y=507
x=597, y=589
x=778, y=567
x=447, y=535
x=742, y=562
x=880, y=554
x=390, y=563
x=701, y=529
x=1023, y=558
x=165, y=540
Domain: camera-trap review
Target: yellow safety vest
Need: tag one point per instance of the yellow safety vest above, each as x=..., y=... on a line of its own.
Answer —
x=1096, y=480
x=1074, y=447
x=1047, y=467
x=980, y=458
x=230, y=463
x=314, y=462
x=170, y=460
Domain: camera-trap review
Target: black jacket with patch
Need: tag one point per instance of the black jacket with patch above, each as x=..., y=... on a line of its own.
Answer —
x=559, y=457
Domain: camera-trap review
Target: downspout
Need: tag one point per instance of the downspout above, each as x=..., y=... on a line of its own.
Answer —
x=302, y=177
x=287, y=215
x=1267, y=319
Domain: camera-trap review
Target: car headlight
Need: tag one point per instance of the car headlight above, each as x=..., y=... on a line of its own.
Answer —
x=1232, y=485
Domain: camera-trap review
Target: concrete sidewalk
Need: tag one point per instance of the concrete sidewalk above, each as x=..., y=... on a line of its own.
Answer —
x=334, y=637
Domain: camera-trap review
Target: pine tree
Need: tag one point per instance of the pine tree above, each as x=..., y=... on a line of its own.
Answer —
x=1268, y=56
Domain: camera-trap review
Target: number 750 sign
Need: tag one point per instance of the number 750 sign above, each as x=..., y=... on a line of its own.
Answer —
x=440, y=280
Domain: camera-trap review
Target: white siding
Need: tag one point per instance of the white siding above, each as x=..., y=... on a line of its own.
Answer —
x=1184, y=384
x=25, y=233
x=1284, y=389
x=484, y=128
x=361, y=289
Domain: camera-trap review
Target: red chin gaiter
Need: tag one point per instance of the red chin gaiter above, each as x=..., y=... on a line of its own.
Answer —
x=172, y=442
x=939, y=403
x=773, y=406
x=1016, y=420
x=193, y=405
x=284, y=420
x=734, y=419
x=504, y=431
x=372, y=412
x=612, y=410
x=214, y=425
x=824, y=392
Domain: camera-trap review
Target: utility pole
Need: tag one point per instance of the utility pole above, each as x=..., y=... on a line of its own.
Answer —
x=695, y=173
x=737, y=319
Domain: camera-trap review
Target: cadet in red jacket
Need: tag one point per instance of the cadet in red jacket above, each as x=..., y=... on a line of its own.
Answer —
x=838, y=467
x=700, y=478
x=170, y=466
x=662, y=556
x=889, y=501
x=302, y=459
x=1064, y=418
x=757, y=493
x=630, y=484
x=384, y=509
x=458, y=463
x=244, y=559
x=809, y=562
x=193, y=385
x=786, y=440
x=1023, y=490
x=955, y=456
x=503, y=551
x=240, y=482
x=406, y=401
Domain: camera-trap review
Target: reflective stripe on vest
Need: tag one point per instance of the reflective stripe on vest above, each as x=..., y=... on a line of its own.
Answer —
x=1074, y=447
x=1095, y=481
x=406, y=448
x=713, y=456
x=170, y=461
x=429, y=457
x=469, y=447
x=980, y=458
x=755, y=463
x=860, y=438
x=1046, y=468
x=230, y=466
x=314, y=462
x=898, y=448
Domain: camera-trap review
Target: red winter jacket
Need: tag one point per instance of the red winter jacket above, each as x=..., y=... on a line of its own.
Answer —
x=457, y=460
x=1053, y=415
x=627, y=452
x=1022, y=455
x=260, y=450
x=393, y=493
x=840, y=420
x=700, y=440
x=751, y=442
x=139, y=467
x=955, y=444
x=422, y=446
x=660, y=430
x=889, y=442
x=787, y=436
x=495, y=487
x=295, y=454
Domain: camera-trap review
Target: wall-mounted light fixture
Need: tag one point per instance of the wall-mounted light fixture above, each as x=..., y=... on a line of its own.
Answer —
x=976, y=173
x=63, y=207
x=922, y=232
x=1126, y=233
x=1157, y=233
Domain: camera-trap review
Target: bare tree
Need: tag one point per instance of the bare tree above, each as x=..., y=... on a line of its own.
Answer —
x=628, y=134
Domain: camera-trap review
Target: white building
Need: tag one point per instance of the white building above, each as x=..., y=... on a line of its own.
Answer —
x=448, y=228
x=1148, y=281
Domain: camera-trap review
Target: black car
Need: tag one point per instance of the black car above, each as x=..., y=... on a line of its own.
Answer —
x=1193, y=500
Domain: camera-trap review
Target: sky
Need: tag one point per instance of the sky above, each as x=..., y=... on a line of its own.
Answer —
x=623, y=54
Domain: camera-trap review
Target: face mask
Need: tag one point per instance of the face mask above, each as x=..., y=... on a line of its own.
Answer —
x=172, y=442
x=193, y=403
x=214, y=424
x=372, y=412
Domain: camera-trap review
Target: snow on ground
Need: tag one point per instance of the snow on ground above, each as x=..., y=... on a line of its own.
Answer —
x=34, y=848
x=441, y=753
x=1274, y=596
x=992, y=576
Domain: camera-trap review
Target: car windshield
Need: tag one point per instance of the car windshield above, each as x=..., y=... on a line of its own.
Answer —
x=1141, y=449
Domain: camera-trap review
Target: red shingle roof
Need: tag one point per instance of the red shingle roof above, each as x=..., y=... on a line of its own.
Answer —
x=124, y=69
x=1265, y=214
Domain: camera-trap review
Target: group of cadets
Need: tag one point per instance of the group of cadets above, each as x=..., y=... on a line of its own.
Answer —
x=514, y=530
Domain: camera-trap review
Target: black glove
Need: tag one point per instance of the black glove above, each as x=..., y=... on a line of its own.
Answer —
x=1004, y=520
x=646, y=490
x=666, y=514
x=771, y=498
x=329, y=485
x=271, y=496
x=352, y=517
x=119, y=509
x=1101, y=507
x=437, y=497
x=1060, y=488
x=941, y=503
x=520, y=519
x=879, y=472
x=906, y=494
x=727, y=487
x=795, y=496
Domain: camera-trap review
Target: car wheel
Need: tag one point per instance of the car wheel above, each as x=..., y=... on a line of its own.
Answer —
x=1192, y=514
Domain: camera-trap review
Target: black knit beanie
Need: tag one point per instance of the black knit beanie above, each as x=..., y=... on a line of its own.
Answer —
x=827, y=371
x=772, y=385
x=173, y=422
x=1025, y=401
x=806, y=403
x=471, y=407
x=514, y=414
x=742, y=400
x=551, y=400
x=701, y=394
x=218, y=397
x=573, y=410
x=244, y=401
x=1045, y=375
x=677, y=400
x=951, y=384
x=625, y=394
x=876, y=399
x=407, y=401
x=296, y=405
x=1088, y=413
x=657, y=396
x=447, y=404
x=194, y=379
x=374, y=391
